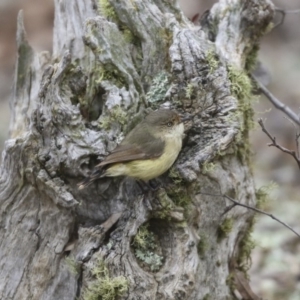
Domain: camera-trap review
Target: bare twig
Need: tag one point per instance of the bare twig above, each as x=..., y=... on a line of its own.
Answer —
x=262, y=212
x=293, y=11
x=274, y=143
x=276, y=102
x=284, y=13
x=297, y=143
x=297, y=136
x=236, y=203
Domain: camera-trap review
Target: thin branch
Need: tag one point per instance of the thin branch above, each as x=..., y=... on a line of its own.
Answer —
x=295, y=11
x=263, y=213
x=236, y=203
x=284, y=13
x=276, y=102
x=274, y=143
x=297, y=136
x=297, y=143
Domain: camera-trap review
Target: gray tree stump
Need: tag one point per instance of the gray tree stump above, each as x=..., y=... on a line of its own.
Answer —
x=112, y=61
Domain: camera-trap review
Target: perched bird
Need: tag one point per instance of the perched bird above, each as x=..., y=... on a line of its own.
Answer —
x=148, y=150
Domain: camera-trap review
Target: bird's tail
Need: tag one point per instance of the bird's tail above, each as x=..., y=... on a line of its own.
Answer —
x=96, y=174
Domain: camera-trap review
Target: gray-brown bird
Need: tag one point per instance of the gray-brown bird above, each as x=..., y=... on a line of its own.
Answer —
x=148, y=151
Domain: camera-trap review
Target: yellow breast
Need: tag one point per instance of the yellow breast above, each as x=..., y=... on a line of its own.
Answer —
x=150, y=168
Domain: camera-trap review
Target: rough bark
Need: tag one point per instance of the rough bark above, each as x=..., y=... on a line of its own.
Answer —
x=112, y=60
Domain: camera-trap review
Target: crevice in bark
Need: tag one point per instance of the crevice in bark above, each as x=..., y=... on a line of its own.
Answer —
x=79, y=283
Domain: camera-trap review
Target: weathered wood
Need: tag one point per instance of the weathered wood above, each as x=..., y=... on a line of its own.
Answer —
x=111, y=61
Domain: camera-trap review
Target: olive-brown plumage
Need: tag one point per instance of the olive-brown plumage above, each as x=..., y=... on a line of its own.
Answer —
x=146, y=152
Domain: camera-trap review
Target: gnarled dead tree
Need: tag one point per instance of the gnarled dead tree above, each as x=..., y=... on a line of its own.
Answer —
x=112, y=61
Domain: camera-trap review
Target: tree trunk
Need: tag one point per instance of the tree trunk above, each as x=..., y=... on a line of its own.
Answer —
x=112, y=61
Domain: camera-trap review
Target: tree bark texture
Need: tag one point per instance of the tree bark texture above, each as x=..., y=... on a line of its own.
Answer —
x=112, y=61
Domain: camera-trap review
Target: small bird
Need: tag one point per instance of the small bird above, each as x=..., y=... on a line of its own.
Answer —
x=148, y=150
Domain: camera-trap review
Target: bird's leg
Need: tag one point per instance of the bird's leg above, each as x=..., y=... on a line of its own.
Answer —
x=150, y=186
x=144, y=186
x=154, y=184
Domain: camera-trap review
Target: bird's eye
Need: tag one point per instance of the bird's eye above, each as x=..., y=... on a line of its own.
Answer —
x=169, y=124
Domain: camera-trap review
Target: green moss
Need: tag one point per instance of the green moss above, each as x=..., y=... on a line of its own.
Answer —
x=166, y=35
x=179, y=195
x=189, y=90
x=143, y=237
x=230, y=281
x=72, y=265
x=116, y=114
x=208, y=167
x=207, y=297
x=263, y=194
x=246, y=246
x=110, y=73
x=146, y=249
x=105, y=122
x=251, y=59
x=128, y=36
x=107, y=10
x=166, y=205
x=241, y=86
x=202, y=245
x=182, y=224
x=105, y=287
x=212, y=60
x=225, y=228
x=175, y=176
x=178, y=191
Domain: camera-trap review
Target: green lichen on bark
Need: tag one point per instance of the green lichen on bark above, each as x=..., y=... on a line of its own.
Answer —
x=212, y=60
x=241, y=87
x=166, y=205
x=178, y=190
x=147, y=249
x=73, y=265
x=246, y=246
x=262, y=194
x=180, y=196
x=251, y=59
x=230, y=281
x=208, y=167
x=104, y=286
x=225, y=228
x=115, y=114
x=158, y=89
x=107, y=10
x=203, y=245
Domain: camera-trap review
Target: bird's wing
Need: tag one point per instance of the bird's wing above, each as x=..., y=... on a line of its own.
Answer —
x=127, y=152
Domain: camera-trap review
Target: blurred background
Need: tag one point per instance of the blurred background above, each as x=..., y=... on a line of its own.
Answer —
x=275, y=272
